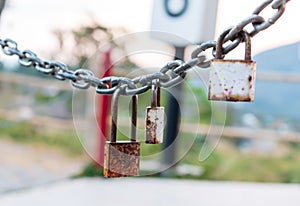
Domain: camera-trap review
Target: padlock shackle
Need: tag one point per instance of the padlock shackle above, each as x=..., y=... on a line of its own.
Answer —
x=246, y=38
x=155, y=96
x=134, y=105
x=114, y=115
x=158, y=96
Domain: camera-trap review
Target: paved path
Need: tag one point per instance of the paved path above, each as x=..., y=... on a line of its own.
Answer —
x=150, y=191
x=24, y=165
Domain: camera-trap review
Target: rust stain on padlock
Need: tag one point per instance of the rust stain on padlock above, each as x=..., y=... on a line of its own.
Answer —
x=121, y=159
x=154, y=125
x=232, y=80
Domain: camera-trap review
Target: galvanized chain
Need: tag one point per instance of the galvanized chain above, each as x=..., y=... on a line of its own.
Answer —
x=234, y=33
x=171, y=74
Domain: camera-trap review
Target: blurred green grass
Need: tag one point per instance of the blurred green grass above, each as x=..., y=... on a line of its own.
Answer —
x=227, y=163
x=24, y=132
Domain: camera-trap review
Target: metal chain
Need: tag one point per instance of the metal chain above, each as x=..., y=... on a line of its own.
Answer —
x=170, y=75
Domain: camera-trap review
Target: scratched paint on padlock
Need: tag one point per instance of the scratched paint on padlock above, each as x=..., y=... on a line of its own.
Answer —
x=232, y=80
x=154, y=125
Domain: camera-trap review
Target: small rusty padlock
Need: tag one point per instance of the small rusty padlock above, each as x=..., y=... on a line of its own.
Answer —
x=122, y=158
x=232, y=80
x=155, y=118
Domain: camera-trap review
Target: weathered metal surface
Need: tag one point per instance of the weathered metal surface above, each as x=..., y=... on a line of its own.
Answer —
x=121, y=159
x=154, y=125
x=232, y=80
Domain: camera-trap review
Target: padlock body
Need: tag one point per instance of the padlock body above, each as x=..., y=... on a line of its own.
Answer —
x=121, y=159
x=232, y=80
x=155, y=125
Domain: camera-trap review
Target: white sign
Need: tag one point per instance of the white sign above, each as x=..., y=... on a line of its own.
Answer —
x=183, y=22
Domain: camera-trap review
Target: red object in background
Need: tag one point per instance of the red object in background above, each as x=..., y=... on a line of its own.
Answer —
x=103, y=107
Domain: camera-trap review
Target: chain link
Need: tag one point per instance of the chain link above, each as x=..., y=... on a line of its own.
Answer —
x=170, y=75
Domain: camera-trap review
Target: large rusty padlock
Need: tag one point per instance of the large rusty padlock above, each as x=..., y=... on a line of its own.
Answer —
x=122, y=158
x=155, y=118
x=232, y=80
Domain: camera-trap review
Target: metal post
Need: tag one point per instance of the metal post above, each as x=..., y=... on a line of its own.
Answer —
x=173, y=120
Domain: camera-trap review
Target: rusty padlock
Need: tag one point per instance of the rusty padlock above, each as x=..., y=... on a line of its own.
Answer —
x=155, y=118
x=122, y=158
x=232, y=80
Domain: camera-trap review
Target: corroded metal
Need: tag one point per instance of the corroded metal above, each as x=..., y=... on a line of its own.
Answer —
x=232, y=80
x=121, y=159
x=155, y=118
x=154, y=125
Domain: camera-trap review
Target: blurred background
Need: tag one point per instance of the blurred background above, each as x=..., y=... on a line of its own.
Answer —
x=40, y=143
